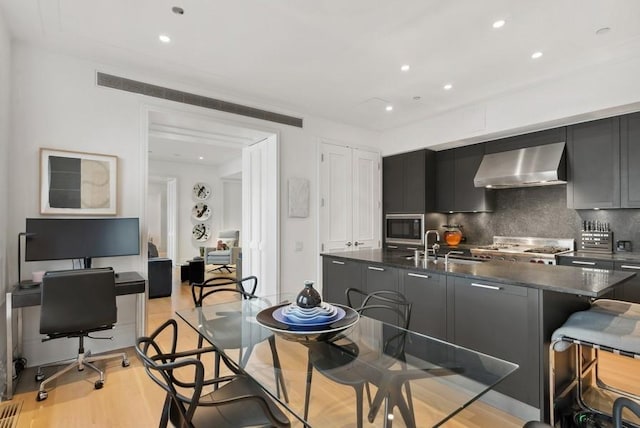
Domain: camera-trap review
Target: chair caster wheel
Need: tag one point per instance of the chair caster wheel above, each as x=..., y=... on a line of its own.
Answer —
x=42, y=395
x=125, y=363
x=39, y=377
x=98, y=385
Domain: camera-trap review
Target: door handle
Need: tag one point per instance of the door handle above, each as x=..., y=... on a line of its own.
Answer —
x=630, y=267
x=583, y=263
x=375, y=268
x=489, y=287
x=358, y=243
x=348, y=244
x=417, y=275
x=336, y=262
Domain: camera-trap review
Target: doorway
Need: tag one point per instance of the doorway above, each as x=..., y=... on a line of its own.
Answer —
x=240, y=164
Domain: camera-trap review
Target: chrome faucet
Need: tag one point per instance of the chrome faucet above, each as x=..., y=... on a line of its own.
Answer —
x=435, y=247
x=446, y=257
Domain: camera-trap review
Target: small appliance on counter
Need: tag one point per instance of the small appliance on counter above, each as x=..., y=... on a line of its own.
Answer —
x=596, y=237
x=453, y=234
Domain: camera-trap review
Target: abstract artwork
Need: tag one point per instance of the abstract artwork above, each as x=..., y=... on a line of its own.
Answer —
x=76, y=183
x=298, y=197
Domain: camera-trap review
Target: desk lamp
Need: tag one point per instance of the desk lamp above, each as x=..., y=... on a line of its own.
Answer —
x=26, y=284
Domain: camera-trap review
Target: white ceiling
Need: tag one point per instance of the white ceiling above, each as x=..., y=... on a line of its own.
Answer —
x=341, y=59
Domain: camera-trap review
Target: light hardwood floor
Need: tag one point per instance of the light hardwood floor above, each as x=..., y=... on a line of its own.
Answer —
x=130, y=399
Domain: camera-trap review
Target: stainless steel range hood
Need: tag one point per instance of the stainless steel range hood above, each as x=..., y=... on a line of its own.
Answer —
x=532, y=166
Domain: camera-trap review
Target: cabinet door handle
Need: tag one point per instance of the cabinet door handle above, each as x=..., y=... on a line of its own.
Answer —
x=583, y=263
x=630, y=267
x=375, y=268
x=392, y=246
x=411, y=248
x=417, y=275
x=489, y=287
x=348, y=244
x=336, y=262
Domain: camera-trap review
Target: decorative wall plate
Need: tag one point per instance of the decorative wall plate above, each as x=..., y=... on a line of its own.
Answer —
x=201, y=211
x=201, y=232
x=201, y=191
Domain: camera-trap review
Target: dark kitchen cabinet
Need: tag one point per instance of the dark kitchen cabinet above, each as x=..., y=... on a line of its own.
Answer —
x=501, y=320
x=593, y=164
x=455, y=171
x=408, y=181
x=337, y=276
x=585, y=262
x=380, y=278
x=630, y=290
x=548, y=136
x=630, y=160
x=428, y=293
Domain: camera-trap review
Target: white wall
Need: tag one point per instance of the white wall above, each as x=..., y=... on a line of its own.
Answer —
x=5, y=91
x=232, y=206
x=592, y=93
x=156, y=213
x=187, y=175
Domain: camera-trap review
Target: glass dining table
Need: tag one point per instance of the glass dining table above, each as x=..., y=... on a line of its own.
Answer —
x=408, y=378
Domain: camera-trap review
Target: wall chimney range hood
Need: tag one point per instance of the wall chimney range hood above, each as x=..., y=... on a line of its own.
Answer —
x=531, y=166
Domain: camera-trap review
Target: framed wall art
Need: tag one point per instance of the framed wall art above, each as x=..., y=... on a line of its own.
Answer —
x=77, y=183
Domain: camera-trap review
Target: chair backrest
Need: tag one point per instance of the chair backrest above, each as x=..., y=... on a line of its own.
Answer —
x=619, y=405
x=230, y=235
x=160, y=365
x=245, y=287
x=388, y=305
x=77, y=301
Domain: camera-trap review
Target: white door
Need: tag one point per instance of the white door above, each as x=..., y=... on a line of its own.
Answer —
x=367, y=214
x=260, y=206
x=350, y=208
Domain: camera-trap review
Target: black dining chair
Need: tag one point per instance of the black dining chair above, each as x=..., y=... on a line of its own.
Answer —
x=237, y=402
x=227, y=328
x=339, y=360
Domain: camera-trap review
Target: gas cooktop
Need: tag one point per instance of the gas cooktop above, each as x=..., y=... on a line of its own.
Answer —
x=517, y=249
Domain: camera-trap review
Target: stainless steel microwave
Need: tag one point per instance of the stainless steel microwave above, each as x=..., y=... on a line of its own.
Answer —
x=404, y=229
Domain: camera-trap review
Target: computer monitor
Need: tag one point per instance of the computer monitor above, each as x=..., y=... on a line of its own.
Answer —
x=81, y=238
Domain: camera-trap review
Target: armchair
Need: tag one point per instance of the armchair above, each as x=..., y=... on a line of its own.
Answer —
x=224, y=257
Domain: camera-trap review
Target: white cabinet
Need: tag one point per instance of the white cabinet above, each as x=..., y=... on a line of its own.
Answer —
x=350, y=204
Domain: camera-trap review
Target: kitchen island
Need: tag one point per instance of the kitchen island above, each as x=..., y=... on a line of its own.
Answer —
x=505, y=309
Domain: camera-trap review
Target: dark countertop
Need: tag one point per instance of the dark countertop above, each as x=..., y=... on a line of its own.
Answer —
x=564, y=279
x=614, y=257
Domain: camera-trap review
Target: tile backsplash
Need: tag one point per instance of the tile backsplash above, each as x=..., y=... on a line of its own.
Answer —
x=542, y=212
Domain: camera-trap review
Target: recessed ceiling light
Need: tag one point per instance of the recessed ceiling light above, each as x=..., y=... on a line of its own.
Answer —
x=447, y=87
x=499, y=23
x=164, y=38
x=405, y=67
x=388, y=108
x=536, y=55
x=200, y=157
x=602, y=31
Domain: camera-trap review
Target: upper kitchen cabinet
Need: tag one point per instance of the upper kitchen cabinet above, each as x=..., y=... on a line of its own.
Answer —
x=593, y=164
x=455, y=170
x=548, y=136
x=408, y=181
x=630, y=160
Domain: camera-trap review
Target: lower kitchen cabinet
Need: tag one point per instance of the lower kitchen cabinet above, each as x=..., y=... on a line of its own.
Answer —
x=630, y=290
x=338, y=275
x=502, y=321
x=428, y=294
x=380, y=278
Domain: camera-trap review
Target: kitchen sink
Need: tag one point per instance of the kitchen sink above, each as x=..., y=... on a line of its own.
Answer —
x=452, y=260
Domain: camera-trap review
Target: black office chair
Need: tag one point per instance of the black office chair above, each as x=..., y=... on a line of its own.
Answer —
x=227, y=328
x=77, y=303
x=618, y=406
x=238, y=402
x=339, y=361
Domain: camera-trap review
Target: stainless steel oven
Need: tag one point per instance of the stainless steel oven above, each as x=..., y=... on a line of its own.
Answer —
x=405, y=229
